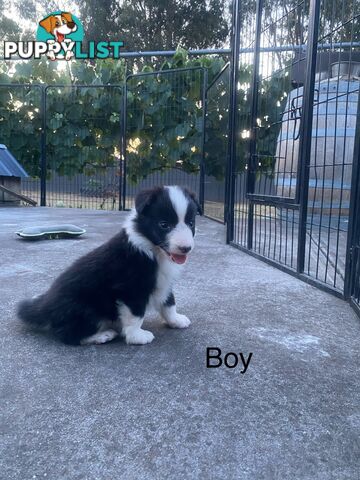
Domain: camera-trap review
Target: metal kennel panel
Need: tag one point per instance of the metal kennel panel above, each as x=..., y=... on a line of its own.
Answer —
x=352, y=285
x=352, y=268
x=332, y=155
x=293, y=118
x=83, y=146
x=163, y=131
x=274, y=171
x=241, y=99
x=265, y=164
x=216, y=145
x=21, y=120
x=274, y=168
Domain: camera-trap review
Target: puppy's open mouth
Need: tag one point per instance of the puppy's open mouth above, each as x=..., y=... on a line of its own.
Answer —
x=179, y=259
x=60, y=37
x=175, y=257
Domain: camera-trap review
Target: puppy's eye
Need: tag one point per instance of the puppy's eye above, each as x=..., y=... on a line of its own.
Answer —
x=164, y=225
x=191, y=223
x=57, y=24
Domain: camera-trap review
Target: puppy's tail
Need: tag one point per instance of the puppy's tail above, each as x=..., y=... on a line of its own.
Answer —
x=30, y=312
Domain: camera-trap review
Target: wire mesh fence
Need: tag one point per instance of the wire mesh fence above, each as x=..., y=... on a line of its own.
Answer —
x=241, y=210
x=216, y=145
x=164, y=130
x=20, y=130
x=297, y=110
x=273, y=166
x=68, y=140
x=71, y=138
x=335, y=114
x=83, y=137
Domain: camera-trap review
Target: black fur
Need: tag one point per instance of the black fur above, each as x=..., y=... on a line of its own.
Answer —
x=170, y=301
x=88, y=292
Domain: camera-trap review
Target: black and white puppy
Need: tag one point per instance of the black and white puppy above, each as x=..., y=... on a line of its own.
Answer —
x=107, y=291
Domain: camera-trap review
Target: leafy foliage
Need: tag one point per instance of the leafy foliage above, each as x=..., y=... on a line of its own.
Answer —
x=20, y=124
x=83, y=132
x=217, y=126
x=272, y=96
x=164, y=116
x=83, y=123
x=156, y=24
x=272, y=102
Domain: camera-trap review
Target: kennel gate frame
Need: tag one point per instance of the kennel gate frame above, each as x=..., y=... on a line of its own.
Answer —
x=124, y=123
x=300, y=202
x=43, y=90
x=225, y=69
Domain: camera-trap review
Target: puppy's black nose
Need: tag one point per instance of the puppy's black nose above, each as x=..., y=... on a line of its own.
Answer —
x=184, y=249
x=71, y=24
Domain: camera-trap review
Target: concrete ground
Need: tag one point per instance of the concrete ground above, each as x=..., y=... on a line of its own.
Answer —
x=156, y=412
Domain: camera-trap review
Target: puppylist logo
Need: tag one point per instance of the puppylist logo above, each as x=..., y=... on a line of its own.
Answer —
x=59, y=36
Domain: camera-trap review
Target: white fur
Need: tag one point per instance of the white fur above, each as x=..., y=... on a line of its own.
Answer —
x=63, y=28
x=168, y=273
x=179, y=201
x=100, y=337
x=181, y=235
x=131, y=327
x=174, y=319
x=139, y=241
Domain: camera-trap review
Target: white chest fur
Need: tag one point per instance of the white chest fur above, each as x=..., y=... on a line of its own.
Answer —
x=167, y=274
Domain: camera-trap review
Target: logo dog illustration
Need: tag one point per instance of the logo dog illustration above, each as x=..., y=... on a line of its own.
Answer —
x=59, y=26
x=60, y=36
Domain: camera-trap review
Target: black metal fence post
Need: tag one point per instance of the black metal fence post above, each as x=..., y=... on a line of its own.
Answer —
x=43, y=148
x=306, y=125
x=234, y=75
x=251, y=173
x=123, y=152
x=227, y=166
x=353, y=237
x=202, y=162
x=217, y=91
x=122, y=170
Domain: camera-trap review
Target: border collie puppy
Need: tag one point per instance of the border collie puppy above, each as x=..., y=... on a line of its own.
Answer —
x=107, y=291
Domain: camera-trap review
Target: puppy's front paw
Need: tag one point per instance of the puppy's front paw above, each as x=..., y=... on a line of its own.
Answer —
x=178, y=321
x=69, y=55
x=138, y=337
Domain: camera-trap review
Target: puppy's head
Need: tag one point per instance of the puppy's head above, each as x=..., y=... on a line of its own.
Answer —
x=59, y=25
x=166, y=217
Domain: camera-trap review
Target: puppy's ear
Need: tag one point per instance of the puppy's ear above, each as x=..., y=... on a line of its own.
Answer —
x=195, y=200
x=67, y=16
x=48, y=23
x=145, y=198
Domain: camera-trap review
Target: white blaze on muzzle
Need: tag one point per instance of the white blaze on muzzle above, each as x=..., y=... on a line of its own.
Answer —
x=180, y=237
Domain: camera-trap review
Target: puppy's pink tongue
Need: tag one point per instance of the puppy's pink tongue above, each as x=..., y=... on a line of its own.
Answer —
x=180, y=259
